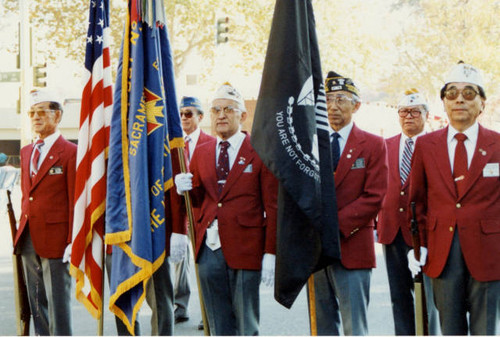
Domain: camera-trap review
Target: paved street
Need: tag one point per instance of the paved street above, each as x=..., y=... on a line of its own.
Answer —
x=275, y=319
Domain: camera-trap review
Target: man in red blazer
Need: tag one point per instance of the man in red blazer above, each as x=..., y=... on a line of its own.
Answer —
x=360, y=183
x=455, y=182
x=44, y=234
x=392, y=227
x=191, y=113
x=236, y=225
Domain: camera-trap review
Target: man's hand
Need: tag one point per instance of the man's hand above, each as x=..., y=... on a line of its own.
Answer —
x=414, y=265
x=268, y=265
x=183, y=182
x=67, y=253
x=178, y=247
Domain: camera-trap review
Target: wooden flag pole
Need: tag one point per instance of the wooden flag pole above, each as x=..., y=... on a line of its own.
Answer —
x=312, y=306
x=189, y=211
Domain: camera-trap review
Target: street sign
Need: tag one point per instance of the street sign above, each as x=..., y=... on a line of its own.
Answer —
x=10, y=76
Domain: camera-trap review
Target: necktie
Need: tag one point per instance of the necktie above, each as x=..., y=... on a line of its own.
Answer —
x=187, y=140
x=335, y=150
x=222, y=165
x=36, y=157
x=460, y=163
x=405, y=166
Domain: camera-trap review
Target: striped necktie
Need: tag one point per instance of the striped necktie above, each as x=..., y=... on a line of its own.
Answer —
x=405, y=167
x=36, y=157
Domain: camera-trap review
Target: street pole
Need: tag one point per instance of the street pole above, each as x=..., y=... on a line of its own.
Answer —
x=26, y=69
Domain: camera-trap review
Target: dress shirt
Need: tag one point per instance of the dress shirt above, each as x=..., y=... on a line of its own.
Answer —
x=344, y=134
x=235, y=142
x=470, y=143
x=402, y=143
x=194, y=136
x=47, y=144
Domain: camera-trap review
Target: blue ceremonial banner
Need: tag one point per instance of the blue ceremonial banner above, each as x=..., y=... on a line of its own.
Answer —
x=145, y=126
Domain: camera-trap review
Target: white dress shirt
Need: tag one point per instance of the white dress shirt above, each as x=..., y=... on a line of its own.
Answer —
x=47, y=145
x=344, y=134
x=470, y=143
x=193, y=140
x=235, y=142
x=402, y=143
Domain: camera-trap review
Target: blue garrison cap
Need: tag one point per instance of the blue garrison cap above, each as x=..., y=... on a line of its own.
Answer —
x=188, y=101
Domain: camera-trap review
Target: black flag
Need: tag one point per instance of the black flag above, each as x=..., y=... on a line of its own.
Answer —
x=291, y=134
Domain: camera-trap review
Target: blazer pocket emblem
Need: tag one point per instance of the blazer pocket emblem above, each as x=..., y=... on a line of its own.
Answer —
x=358, y=164
x=56, y=170
x=491, y=170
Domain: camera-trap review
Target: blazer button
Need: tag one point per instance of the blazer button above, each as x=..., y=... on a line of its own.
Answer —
x=31, y=198
x=219, y=204
x=451, y=229
x=458, y=205
x=402, y=192
x=401, y=210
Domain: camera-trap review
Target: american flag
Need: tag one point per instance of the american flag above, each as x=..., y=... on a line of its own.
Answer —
x=93, y=141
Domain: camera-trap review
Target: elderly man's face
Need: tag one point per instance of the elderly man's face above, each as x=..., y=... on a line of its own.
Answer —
x=44, y=120
x=190, y=119
x=412, y=119
x=226, y=117
x=340, y=107
x=462, y=112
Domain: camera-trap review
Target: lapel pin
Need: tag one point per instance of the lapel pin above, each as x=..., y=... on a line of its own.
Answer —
x=349, y=155
x=482, y=152
x=51, y=157
x=241, y=161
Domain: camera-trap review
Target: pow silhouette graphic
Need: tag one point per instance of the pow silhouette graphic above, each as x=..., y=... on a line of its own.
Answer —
x=154, y=113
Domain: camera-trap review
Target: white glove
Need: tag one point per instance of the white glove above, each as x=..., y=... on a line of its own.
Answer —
x=183, y=182
x=67, y=253
x=413, y=264
x=268, y=265
x=178, y=247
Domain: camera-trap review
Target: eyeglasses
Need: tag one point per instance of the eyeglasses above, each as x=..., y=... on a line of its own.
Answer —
x=227, y=110
x=187, y=114
x=413, y=112
x=338, y=99
x=40, y=113
x=468, y=94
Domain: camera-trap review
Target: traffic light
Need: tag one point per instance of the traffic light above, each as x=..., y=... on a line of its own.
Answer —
x=222, y=29
x=40, y=75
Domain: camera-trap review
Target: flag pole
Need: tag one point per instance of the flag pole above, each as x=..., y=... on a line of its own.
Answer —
x=189, y=211
x=312, y=305
x=100, y=323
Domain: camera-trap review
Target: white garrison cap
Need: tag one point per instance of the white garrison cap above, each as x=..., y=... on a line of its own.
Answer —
x=463, y=72
x=412, y=98
x=42, y=95
x=227, y=91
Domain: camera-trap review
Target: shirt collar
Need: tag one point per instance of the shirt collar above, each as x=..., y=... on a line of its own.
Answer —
x=471, y=132
x=235, y=140
x=193, y=135
x=414, y=138
x=344, y=132
x=50, y=140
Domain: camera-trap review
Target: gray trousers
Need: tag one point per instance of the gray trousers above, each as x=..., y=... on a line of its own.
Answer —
x=49, y=291
x=159, y=287
x=401, y=287
x=182, y=289
x=456, y=292
x=231, y=296
x=345, y=293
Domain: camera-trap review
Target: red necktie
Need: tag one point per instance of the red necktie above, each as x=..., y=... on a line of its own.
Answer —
x=460, y=163
x=222, y=165
x=36, y=157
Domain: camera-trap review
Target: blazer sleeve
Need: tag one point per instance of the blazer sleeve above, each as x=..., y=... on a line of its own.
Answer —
x=364, y=209
x=269, y=190
x=71, y=181
x=177, y=211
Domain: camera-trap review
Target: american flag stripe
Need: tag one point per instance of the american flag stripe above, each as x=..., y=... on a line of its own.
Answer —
x=93, y=142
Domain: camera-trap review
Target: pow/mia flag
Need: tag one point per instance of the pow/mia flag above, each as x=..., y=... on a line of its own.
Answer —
x=290, y=134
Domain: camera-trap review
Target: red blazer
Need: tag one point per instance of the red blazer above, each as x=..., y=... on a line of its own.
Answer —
x=360, y=184
x=393, y=215
x=475, y=214
x=47, y=201
x=246, y=208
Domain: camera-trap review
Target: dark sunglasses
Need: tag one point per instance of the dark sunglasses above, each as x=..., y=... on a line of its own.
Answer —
x=468, y=94
x=188, y=114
